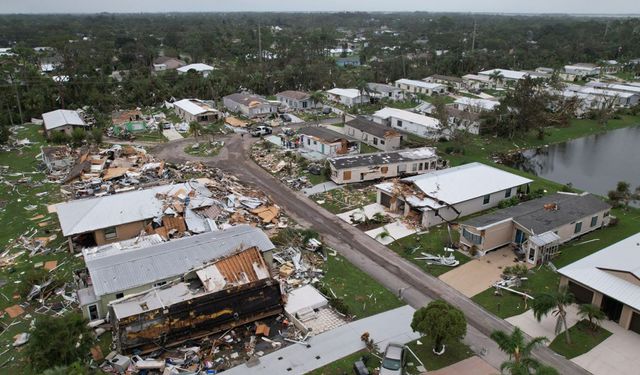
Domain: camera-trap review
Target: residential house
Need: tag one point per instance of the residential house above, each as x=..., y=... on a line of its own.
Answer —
x=475, y=105
x=325, y=142
x=421, y=87
x=537, y=226
x=374, y=166
x=373, y=134
x=450, y=194
x=341, y=51
x=229, y=292
x=123, y=269
x=610, y=280
x=597, y=96
x=113, y=218
x=296, y=100
x=475, y=82
x=452, y=83
x=610, y=67
x=464, y=120
x=581, y=71
x=621, y=87
x=62, y=120
x=384, y=91
x=163, y=63
x=348, y=97
x=507, y=77
x=348, y=61
x=249, y=105
x=202, y=69
x=419, y=125
x=197, y=110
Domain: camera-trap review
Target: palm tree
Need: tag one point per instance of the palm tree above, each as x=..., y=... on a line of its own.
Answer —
x=317, y=97
x=519, y=351
x=497, y=77
x=195, y=129
x=384, y=234
x=591, y=313
x=556, y=303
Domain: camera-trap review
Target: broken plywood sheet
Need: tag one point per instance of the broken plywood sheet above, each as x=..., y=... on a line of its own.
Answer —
x=116, y=172
x=262, y=329
x=50, y=265
x=267, y=213
x=170, y=222
x=14, y=311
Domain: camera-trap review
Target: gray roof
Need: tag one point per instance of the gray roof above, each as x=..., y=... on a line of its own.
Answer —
x=116, y=270
x=322, y=133
x=62, y=117
x=247, y=99
x=373, y=128
x=533, y=216
x=383, y=158
x=441, y=77
x=381, y=87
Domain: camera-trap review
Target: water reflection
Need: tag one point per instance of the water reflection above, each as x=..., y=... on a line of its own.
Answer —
x=594, y=163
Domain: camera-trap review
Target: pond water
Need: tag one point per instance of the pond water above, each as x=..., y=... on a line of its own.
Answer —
x=595, y=163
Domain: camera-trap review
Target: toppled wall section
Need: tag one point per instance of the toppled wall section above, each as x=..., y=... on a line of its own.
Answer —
x=231, y=292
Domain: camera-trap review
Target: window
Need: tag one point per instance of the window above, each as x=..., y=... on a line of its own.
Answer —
x=315, y=143
x=159, y=283
x=110, y=233
x=472, y=237
x=414, y=167
x=433, y=165
x=381, y=142
x=399, y=123
x=594, y=221
x=304, y=104
x=119, y=295
x=507, y=193
x=93, y=312
x=308, y=141
x=578, y=227
x=486, y=199
x=375, y=140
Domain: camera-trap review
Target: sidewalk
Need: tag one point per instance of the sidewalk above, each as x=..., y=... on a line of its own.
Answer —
x=392, y=325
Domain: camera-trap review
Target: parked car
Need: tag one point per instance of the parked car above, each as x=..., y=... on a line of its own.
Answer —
x=166, y=125
x=261, y=130
x=326, y=110
x=288, y=132
x=285, y=117
x=394, y=360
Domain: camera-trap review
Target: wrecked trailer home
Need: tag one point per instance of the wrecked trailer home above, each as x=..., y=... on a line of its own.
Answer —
x=115, y=271
x=229, y=292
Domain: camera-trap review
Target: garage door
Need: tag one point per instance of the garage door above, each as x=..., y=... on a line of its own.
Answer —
x=581, y=294
x=635, y=322
x=385, y=200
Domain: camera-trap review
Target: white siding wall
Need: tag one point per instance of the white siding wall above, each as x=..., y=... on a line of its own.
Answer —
x=370, y=173
x=413, y=128
x=311, y=144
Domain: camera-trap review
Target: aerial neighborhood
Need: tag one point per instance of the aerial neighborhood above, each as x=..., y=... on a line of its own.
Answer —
x=321, y=193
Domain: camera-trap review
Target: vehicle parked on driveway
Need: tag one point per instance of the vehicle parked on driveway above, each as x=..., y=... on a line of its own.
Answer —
x=261, y=130
x=285, y=117
x=394, y=360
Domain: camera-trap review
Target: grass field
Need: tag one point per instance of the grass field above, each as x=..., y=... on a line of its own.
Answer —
x=583, y=339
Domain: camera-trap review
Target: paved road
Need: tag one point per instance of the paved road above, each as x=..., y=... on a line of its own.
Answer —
x=388, y=268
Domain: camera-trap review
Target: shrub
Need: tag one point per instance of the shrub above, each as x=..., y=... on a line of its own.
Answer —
x=78, y=136
x=59, y=138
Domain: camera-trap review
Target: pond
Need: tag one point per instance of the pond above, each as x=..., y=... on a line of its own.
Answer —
x=595, y=163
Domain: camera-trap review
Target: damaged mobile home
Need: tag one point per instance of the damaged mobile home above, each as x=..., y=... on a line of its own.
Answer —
x=118, y=270
x=226, y=293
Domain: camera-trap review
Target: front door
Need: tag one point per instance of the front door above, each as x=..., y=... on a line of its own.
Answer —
x=520, y=236
x=612, y=308
x=93, y=312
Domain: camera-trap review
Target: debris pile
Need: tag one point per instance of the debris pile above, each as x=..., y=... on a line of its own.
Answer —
x=287, y=165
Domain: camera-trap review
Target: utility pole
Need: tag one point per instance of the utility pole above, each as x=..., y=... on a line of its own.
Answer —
x=473, y=37
x=259, y=43
x=606, y=31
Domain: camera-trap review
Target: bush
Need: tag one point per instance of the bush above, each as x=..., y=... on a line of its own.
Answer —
x=58, y=138
x=516, y=270
x=96, y=135
x=78, y=136
x=509, y=202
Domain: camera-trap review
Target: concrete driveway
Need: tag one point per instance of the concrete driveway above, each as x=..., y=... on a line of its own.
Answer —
x=172, y=134
x=479, y=274
x=546, y=327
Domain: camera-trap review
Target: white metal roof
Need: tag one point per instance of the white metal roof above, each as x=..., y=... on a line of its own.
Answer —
x=194, y=106
x=460, y=184
x=506, y=73
x=198, y=67
x=120, y=270
x=484, y=104
x=87, y=215
x=423, y=84
x=615, y=86
x=604, y=271
x=349, y=93
x=61, y=117
x=403, y=115
x=605, y=92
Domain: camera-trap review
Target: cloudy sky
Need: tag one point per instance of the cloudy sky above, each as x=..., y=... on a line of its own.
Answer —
x=490, y=6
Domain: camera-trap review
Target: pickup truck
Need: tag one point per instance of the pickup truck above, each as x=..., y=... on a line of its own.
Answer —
x=261, y=130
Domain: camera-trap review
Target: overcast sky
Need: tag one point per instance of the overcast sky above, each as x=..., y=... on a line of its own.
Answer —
x=491, y=6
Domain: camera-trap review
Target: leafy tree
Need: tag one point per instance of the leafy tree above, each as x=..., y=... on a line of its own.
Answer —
x=441, y=322
x=58, y=137
x=592, y=313
x=496, y=77
x=195, y=129
x=604, y=111
x=555, y=303
x=622, y=195
x=4, y=134
x=59, y=341
x=519, y=351
x=76, y=368
x=96, y=135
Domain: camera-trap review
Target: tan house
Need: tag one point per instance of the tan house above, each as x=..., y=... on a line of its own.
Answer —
x=190, y=110
x=373, y=134
x=538, y=226
x=609, y=279
x=296, y=100
x=123, y=269
x=62, y=120
x=374, y=166
x=113, y=218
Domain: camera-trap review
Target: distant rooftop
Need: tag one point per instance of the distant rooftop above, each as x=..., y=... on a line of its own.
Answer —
x=372, y=128
x=383, y=158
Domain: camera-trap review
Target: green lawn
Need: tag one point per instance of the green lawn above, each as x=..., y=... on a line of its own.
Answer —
x=363, y=295
x=455, y=352
x=347, y=198
x=367, y=149
x=583, y=339
x=433, y=243
x=509, y=304
x=16, y=222
x=345, y=365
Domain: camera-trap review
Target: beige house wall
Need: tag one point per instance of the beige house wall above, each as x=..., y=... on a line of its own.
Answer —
x=377, y=172
x=495, y=236
x=124, y=232
x=67, y=129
